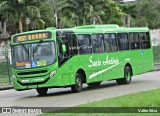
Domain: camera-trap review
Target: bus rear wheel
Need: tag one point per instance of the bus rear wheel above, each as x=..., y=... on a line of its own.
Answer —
x=42, y=91
x=77, y=87
x=127, y=76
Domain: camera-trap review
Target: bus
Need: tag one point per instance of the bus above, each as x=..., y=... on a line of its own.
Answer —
x=70, y=57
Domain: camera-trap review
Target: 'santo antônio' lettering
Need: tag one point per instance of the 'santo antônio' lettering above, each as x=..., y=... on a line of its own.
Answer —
x=106, y=62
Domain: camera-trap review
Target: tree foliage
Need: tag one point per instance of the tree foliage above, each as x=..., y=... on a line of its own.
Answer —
x=143, y=13
x=19, y=10
x=70, y=13
x=147, y=12
x=18, y=7
x=90, y=12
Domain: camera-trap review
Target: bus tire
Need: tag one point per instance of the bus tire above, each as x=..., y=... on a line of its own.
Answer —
x=96, y=84
x=42, y=91
x=77, y=87
x=127, y=76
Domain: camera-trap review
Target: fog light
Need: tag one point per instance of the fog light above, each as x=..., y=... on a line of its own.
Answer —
x=53, y=73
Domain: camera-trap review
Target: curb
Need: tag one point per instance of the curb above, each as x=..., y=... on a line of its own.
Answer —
x=6, y=87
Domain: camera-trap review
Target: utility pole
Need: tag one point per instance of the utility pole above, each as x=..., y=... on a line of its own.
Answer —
x=5, y=29
x=129, y=21
x=141, y=13
x=55, y=12
x=124, y=21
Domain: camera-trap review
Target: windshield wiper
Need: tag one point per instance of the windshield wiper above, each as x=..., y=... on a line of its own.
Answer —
x=37, y=46
x=26, y=50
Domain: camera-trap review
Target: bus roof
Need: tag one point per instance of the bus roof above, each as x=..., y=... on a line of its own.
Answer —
x=104, y=29
x=86, y=29
x=97, y=26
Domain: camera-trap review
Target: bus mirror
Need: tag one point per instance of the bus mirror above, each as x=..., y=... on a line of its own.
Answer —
x=63, y=48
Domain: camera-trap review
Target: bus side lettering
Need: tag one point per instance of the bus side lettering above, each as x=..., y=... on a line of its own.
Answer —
x=94, y=63
x=106, y=62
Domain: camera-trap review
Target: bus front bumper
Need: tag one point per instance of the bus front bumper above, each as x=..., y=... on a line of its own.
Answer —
x=51, y=83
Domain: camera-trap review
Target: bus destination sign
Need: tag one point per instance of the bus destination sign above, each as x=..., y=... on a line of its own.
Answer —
x=33, y=36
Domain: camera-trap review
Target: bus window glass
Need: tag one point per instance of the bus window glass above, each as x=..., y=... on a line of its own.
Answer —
x=145, y=40
x=84, y=44
x=123, y=43
x=97, y=43
x=73, y=45
x=110, y=42
x=29, y=56
x=134, y=41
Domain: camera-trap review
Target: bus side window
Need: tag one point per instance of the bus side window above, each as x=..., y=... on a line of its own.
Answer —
x=110, y=42
x=84, y=44
x=145, y=40
x=97, y=43
x=59, y=44
x=123, y=42
x=73, y=45
x=134, y=41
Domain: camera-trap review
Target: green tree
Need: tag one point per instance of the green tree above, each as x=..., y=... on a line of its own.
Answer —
x=18, y=8
x=80, y=8
x=47, y=14
x=112, y=13
x=130, y=10
x=91, y=12
x=42, y=17
x=147, y=13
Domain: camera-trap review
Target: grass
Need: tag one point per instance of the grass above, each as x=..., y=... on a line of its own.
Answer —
x=141, y=99
x=4, y=73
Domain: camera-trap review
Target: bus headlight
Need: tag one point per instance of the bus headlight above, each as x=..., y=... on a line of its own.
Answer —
x=14, y=77
x=53, y=73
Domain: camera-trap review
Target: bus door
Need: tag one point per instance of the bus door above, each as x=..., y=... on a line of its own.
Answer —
x=98, y=55
x=111, y=48
x=62, y=40
x=66, y=59
x=135, y=50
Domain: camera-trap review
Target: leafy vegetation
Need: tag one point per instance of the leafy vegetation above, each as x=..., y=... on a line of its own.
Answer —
x=17, y=11
x=4, y=73
x=25, y=15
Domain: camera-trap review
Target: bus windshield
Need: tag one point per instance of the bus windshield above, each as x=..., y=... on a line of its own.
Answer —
x=33, y=55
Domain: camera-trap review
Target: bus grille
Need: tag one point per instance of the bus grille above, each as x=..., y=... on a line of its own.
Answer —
x=33, y=72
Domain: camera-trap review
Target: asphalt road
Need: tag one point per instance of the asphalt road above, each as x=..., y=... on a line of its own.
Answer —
x=63, y=97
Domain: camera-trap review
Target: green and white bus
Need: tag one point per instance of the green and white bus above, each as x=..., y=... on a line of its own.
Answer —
x=70, y=57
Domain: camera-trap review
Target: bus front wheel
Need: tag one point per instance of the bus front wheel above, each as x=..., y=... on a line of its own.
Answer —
x=127, y=76
x=77, y=87
x=42, y=91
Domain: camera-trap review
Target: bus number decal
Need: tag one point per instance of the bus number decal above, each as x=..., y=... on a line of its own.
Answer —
x=127, y=59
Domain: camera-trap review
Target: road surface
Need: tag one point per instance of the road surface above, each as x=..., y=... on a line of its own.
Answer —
x=63, y=97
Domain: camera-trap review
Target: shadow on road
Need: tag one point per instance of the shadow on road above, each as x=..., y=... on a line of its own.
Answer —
x=58, y=92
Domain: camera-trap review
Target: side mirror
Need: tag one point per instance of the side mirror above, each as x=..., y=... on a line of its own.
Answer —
x=6, y=53
x=63, y=48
